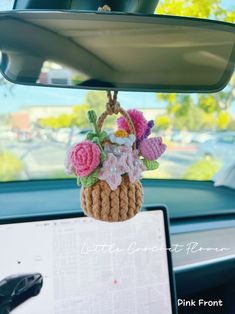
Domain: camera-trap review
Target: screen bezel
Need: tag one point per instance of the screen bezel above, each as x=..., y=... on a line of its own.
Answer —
x=61, y=216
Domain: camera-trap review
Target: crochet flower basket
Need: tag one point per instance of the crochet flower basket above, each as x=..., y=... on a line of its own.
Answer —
x=109, y=166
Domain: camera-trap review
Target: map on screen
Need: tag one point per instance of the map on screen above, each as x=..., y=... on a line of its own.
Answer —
x=80, y=265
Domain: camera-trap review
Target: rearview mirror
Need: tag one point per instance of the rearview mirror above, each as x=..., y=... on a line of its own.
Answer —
x=111, y=51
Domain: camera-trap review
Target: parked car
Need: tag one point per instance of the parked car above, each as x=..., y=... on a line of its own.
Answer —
x=16, y=289
x=24, y=136
x=183, y=137
x=61, y=135
x=222, y=147
x=201, y=137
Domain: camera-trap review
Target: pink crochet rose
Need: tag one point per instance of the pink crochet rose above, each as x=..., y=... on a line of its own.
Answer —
x=84, y=158
x=139, y=121
x=152, y=148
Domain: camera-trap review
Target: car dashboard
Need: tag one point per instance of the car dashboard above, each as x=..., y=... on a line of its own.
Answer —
x=202, y=222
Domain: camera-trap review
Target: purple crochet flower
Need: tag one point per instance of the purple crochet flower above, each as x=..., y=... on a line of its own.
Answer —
x=146, y=133
x=152, y=148
x=149, y=128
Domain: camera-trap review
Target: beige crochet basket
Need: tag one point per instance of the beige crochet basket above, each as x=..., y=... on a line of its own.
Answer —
x=99, y=201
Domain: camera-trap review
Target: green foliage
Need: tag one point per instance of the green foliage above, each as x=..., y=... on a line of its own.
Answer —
x=76, y=118
x=79, y=115
x=96, y=100
x=231, y=125
x=202, y=170
x=60, y=174
x=223, y=120
x=229, y=16
x=78, y=78
x=91, y=179
x=196, y=8
x=208, y=103
x=191, y=120
x=198, y=112
x=162, y=122
x=160, y=173
x=10, y=167
x=150, y=164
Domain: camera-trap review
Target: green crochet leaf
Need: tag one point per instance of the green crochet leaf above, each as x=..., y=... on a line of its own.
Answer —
x=102, y=136
x=78, y=181
x=95, y=140
x=90, y=135
x=150, y=164
x=91, y=179
x=103, y=156
x=92, y=117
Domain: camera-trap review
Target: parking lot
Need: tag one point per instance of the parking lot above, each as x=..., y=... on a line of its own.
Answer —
x=43, y=156
x=43, y=159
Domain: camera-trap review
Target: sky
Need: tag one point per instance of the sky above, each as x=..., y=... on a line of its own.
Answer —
x=32, y=96
x=228, y=4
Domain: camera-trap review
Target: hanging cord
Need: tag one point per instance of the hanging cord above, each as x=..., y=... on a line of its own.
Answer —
x=112, y=106
x=105, y=8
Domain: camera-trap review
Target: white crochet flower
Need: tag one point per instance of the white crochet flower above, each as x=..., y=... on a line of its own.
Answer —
x=127, y=141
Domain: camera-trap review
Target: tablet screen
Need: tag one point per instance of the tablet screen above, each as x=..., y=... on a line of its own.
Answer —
x=81, y=265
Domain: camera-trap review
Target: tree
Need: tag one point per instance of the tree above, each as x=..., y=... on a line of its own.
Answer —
x=11, y=166
x=97, y=100
x=223, y=120
x=196, y=8
x=202, y=111
x=162, y=123
x=76, y=118
x=203, y=169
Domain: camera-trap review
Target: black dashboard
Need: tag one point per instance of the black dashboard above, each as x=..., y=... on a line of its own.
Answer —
x=202, y=222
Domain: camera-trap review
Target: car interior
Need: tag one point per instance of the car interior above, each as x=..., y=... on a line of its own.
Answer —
x=176, y=68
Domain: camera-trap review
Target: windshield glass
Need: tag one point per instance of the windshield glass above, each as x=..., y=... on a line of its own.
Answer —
x=6, y=288
x=39, y=124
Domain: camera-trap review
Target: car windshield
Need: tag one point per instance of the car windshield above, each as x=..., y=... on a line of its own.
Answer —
x=6, y=287
x=39, y=124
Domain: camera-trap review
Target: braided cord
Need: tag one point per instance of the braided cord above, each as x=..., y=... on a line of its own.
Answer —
x=113, y=107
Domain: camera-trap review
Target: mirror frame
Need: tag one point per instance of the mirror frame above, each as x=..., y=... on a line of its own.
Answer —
x=188, y=21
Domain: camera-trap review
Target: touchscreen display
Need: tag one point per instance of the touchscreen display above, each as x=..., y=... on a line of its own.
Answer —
x=80, y=265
